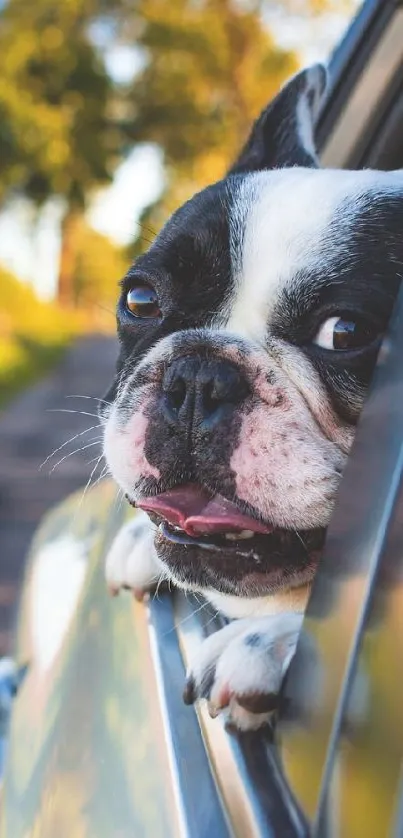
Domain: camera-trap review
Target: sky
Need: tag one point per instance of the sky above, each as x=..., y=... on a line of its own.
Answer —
x=29, y=243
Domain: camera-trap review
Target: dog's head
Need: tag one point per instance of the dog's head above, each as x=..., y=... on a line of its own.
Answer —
x=249, y=332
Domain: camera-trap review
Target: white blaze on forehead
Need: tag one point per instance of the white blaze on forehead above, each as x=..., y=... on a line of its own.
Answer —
x=281, y=224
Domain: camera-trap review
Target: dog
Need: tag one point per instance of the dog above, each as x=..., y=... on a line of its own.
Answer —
x=248, y=335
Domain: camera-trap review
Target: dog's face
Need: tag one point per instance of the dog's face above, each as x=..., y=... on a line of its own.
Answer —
x=249, y=332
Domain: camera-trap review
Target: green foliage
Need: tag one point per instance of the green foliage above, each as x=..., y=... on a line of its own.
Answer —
x=315, y=8
x=98, y=266
x=33, y=335
x=210, y=68
x=56, y=136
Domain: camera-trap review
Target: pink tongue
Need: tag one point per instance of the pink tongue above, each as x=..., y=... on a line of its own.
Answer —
x=191, y=509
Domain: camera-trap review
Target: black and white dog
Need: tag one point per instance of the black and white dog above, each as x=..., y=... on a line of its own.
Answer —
x=249, y=332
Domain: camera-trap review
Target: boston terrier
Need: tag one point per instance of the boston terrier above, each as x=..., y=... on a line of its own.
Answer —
x=248, y=335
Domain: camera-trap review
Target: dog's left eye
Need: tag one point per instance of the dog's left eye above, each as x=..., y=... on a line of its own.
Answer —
x=142, y=301
x=341, y=334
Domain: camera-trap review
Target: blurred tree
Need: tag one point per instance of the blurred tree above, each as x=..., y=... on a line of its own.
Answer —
x=313, y=7
x=33, y=334
x=56, y=132
x=209, y=68
x=97, y=267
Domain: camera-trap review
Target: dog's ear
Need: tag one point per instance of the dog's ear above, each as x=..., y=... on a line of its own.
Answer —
x=283, y=135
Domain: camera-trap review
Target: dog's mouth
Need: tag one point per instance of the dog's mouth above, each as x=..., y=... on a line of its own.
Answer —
x=189, y=515
x=217, y=545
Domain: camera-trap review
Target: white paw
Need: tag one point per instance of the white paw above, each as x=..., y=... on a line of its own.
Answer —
x=132, y=561
x=239, y=669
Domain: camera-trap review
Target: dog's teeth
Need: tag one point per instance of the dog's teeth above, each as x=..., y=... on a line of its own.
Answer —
x=236, y=536
x=246, y=534
x=172, y=527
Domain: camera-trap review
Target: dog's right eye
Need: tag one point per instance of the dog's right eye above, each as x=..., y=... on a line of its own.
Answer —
x=341, y=334
x=142, y=301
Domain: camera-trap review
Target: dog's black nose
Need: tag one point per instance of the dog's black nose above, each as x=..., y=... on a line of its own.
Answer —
x=201, y=392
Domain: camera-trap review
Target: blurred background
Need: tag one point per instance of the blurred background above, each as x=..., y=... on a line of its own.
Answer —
x=112, y=113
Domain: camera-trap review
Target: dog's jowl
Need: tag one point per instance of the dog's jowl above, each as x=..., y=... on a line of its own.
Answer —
x=249, y=332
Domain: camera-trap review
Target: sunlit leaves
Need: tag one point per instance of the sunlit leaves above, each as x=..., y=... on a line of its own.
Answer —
x=54, y=95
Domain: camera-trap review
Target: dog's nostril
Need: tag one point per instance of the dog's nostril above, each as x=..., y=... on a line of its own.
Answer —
x=177, y=393
x=216, y=391
x=201, y=391
x=210, y=397
x=226, y=386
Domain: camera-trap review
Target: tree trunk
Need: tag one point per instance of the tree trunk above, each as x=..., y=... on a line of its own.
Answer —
x=70, y=230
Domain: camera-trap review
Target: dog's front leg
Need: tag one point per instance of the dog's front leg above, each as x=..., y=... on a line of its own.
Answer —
x=239, y=669
x=132, y=561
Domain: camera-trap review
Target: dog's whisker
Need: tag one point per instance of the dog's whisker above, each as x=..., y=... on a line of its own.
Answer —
x=214, y=617
x=67, y=410
x=92, y=460
x=189, y=617
x=88, y=483
x=118, y=500
x=146, y=228
x=103, y=474
x=146, y=239
x=76, y=451
x=194, y=595
x=161, y=579
x=105, y=308
x=72, y=438
x=299, y=536
x=81, y=396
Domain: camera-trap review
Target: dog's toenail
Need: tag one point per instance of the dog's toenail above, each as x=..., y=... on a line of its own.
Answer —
x=189, y=693
x=258, y=702
x=231, y=728
x=213, y=710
